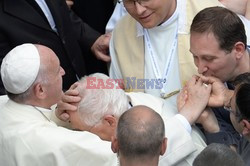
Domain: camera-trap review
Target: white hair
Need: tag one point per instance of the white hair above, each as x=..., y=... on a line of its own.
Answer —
x=100, y=101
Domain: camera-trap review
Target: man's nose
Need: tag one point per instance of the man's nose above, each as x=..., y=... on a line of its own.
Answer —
x=139, y=8
x=202, y=68
x=62, y=71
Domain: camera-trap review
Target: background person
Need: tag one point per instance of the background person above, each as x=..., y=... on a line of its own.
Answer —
x=237, y=104
x=218, y=154
x=220, y=50
x=140, y=137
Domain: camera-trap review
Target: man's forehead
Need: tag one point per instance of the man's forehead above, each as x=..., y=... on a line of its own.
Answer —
x=202, y=54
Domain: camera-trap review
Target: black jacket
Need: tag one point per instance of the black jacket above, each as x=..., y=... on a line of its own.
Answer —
x=21, y=22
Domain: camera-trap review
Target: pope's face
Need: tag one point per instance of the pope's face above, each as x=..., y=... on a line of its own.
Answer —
x=53, y=73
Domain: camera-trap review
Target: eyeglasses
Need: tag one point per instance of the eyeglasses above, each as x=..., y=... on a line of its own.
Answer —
x=131, y=3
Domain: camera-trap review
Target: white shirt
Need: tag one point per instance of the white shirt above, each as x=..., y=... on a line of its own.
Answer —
x=29, y=139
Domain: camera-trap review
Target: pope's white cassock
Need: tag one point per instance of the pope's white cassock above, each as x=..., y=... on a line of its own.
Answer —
x=28, y=138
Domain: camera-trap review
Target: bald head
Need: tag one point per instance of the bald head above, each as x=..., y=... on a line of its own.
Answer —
x=140, y=133
x=47, y=58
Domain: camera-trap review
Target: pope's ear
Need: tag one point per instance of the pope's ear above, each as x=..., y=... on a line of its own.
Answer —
x=114, y=144
x=39, y=91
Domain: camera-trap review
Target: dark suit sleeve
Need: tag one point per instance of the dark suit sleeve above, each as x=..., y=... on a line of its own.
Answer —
x=87, y=35
x=4, y=46
x=4, y=49
x=227, y=134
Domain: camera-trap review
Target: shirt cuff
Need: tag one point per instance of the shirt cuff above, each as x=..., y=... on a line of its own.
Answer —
x=184, y=122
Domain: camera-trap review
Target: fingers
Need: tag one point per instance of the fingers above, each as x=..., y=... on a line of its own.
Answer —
x=63, y=107
x=71, y=97
x=64, y=117
x=71, y=92
x=194, y=83
x=210, y=79
x=101, y=47
x=61, y=113
x=199, y=82
x=108, y=34
x=69, y=102
x=182, y=98
x=69, y=3
x=74, y=86
x=103, y=57
x=107, y=37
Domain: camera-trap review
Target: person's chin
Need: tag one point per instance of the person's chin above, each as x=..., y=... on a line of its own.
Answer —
x=148, y=25
x=147, y=22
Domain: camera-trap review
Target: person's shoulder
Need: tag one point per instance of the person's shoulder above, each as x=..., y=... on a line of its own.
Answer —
x=153, y=102
x=126, y=21
x=3, y=100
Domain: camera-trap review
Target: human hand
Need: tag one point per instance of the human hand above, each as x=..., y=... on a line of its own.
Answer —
x=182, y=98
x=197, y=98
x=68, y=102
x=220, y=95
x=101, y=47
x=70, y=3
x=208, y=120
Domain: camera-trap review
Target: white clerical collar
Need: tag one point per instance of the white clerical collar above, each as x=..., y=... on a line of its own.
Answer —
x=46, y=113
x=169, y=21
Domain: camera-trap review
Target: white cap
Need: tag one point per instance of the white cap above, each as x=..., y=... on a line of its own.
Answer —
x=20, y=67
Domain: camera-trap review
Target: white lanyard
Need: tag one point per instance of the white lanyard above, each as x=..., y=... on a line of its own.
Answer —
x=154, y=61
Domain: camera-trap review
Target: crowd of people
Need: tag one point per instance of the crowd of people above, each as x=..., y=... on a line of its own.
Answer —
x=166, y=83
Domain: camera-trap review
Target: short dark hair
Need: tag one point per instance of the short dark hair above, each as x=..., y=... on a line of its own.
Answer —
x=226, y=26
x=218, y=154
x=242, y=91
x=243, y=101
x=242, y=78
x=138, y=137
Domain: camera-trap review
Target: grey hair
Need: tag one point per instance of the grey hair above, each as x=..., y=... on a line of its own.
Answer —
x=218, y=154
x=98, y=102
